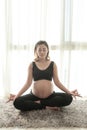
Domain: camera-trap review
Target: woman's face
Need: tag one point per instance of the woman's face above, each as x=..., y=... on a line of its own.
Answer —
x=42, y=51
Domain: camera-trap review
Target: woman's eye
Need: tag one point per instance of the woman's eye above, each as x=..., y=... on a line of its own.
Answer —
x=39, y=50
x=44, y=49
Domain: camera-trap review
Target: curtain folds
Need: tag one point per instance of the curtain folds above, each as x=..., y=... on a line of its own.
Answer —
x=62, y=23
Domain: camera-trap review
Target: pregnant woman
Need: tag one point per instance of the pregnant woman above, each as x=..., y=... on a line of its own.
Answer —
x=42, y=72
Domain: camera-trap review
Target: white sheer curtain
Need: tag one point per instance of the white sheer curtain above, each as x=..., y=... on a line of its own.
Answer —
x=62, y=23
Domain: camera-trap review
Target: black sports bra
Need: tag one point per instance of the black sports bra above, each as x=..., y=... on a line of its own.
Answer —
x=39, y=74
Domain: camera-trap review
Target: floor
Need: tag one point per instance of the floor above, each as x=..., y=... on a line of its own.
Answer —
x=62, y=128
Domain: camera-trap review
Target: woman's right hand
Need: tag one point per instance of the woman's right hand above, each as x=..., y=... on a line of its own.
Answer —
x=12, y=97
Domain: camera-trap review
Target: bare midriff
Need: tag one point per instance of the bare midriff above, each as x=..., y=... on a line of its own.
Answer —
x=42, y=88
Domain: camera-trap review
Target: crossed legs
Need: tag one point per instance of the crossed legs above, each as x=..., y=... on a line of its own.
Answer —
x=31, y=102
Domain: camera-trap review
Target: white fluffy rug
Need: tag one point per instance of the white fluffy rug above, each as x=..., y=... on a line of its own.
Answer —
x=74, y=115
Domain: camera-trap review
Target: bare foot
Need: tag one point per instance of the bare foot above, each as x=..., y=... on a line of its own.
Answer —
x=53, y=108
x=38, y=101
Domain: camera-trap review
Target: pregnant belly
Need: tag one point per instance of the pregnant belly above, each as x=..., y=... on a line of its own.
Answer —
x=42, y=90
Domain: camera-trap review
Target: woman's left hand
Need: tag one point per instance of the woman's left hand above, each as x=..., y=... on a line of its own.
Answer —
x=75, y=93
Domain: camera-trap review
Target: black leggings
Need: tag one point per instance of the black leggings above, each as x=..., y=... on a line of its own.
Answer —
x=27, y=102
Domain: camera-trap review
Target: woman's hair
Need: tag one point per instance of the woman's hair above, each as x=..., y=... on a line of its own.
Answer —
x=35, y=48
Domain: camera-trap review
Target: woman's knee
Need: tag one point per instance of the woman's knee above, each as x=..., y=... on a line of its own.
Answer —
x=17, y=103
x=69, y=99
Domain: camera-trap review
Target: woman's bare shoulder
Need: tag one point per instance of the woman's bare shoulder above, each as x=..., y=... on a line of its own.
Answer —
x=30, y=65
x=55, y=66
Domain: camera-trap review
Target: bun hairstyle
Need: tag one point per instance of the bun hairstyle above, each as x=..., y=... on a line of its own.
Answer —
x=35, y=48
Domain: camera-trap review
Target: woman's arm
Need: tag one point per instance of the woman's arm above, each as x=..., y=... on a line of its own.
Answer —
x=60, y=85
x=27, y=83
x=25, y=87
